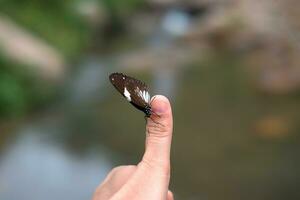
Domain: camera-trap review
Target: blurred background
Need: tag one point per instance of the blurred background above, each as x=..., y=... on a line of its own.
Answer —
x=231, y=69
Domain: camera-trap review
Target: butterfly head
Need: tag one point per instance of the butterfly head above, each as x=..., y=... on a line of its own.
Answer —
x=148, y=111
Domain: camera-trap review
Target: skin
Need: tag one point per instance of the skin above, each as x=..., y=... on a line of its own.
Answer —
x=149, y=179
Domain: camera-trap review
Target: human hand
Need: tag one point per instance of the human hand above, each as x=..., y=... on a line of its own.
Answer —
x=149, y=180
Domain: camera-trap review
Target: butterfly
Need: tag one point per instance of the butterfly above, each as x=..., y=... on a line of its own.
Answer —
x=135, y=91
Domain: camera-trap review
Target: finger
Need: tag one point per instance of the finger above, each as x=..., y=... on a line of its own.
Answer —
x=152, y=175
x=170, y=195
x=114, y=181
x=159, y=134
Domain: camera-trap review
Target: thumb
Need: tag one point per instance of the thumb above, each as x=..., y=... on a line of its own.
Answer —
x=151, y=179
x=159, y=134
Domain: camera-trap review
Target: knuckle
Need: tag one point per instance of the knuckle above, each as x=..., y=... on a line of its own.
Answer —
x=122, y=168
x=163, y=167
x=116, y=169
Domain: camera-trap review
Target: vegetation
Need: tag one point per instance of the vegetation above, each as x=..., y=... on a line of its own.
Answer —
x=59, y=24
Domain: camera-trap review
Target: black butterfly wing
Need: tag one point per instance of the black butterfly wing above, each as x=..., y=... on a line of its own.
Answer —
x=118, y=81
x=139, y=92
x=135, y=91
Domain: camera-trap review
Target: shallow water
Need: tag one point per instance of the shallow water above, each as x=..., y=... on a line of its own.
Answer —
x=230, y=141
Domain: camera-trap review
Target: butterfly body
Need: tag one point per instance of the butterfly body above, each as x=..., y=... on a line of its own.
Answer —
x=135, y=91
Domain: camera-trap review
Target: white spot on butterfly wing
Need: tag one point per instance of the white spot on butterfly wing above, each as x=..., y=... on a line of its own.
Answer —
x=144, y=95
x=140, y=93
x=127, y=94
x=147, y=97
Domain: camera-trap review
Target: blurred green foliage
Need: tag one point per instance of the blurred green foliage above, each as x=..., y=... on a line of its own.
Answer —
x=20, y=91
x=118, y=13
x=12, y=96
x=54, y=21
x=117, y=10
x=60, y=24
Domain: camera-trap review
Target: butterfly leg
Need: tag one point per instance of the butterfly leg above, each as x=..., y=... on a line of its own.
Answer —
x=155, y=121
x=155, y=114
